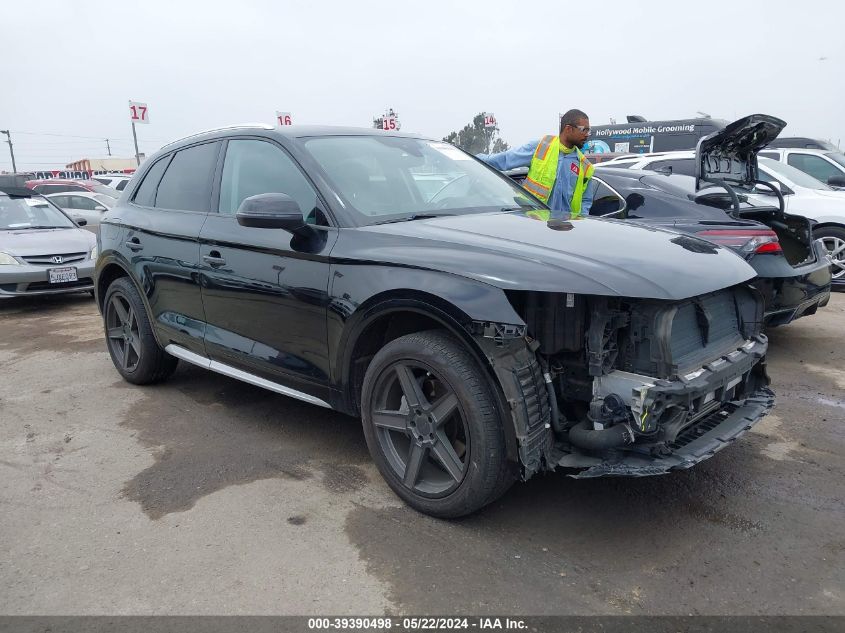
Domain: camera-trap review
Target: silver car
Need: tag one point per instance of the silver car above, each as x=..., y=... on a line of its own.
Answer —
x=42, y=251
x=86, y=205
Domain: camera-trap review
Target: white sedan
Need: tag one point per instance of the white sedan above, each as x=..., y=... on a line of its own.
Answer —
x=84, y=204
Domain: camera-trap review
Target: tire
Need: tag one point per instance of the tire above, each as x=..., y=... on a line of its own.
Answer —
x=833, y=238
x=129, y=337
x=443, y=449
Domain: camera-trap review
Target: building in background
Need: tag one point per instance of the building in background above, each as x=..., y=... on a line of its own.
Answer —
x=98, y=165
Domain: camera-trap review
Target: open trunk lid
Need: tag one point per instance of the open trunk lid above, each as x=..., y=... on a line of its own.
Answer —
x=729, y=156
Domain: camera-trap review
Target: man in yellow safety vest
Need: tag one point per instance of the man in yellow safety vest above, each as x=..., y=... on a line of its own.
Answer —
x=558, y=173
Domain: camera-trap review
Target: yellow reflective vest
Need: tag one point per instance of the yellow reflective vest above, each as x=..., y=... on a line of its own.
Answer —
x=543, y=173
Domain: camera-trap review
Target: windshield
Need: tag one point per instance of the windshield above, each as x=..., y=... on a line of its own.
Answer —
x=30, y=213
x=837, y=157
x=388, y=178
x=791, y=175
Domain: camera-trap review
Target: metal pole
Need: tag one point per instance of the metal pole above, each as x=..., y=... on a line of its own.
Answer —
x=135, y=138
x=11, y=149
x=108, y=147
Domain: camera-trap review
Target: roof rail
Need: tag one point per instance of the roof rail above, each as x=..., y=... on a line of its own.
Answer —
x=221, y=129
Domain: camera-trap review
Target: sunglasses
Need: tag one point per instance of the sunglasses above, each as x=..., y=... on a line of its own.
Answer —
x=581, y=128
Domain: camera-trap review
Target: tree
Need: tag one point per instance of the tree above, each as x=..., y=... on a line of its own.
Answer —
x=476, y=139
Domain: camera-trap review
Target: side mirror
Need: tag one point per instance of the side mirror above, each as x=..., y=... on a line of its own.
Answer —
x=272, y=211
x=100, y=208
x=80, y=221
x=836, y=181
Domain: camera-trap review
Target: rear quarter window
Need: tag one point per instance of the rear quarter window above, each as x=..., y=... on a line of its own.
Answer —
x=146, y=194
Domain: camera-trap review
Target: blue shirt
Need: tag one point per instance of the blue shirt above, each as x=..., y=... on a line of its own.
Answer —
x=564, y=181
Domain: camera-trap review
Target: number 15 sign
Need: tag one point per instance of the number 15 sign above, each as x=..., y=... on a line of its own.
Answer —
x=138, y=112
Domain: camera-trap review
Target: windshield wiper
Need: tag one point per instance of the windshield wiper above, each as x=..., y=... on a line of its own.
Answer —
x=415, y=216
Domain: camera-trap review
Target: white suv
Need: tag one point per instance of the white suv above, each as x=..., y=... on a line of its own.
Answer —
x=824, y=165
x=116, y=181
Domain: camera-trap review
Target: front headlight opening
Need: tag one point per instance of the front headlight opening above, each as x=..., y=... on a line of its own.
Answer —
x=94, y=252
x=8, y=260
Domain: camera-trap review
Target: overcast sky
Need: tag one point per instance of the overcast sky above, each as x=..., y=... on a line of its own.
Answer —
x=69, y=68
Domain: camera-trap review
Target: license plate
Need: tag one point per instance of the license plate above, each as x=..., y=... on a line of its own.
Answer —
x=62, y=275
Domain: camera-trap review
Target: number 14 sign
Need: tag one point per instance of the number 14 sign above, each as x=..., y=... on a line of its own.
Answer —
x=138, y=112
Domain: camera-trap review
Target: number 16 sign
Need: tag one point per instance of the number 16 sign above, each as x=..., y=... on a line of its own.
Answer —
x=138, y=112
x=283, y=118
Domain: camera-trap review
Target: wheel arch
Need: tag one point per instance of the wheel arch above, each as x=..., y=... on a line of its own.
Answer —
x=389, y=315
x=110, y=271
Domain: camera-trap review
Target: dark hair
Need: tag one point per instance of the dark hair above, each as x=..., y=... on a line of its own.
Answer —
x=571, y=118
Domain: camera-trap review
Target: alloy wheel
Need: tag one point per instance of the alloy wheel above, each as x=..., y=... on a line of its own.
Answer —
x=836, y=252
x=122, y=332
x=421, y=428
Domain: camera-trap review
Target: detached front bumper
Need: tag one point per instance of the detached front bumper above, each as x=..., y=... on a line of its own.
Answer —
x=724, y=399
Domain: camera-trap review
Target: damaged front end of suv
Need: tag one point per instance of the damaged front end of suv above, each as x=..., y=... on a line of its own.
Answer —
x=629, y=386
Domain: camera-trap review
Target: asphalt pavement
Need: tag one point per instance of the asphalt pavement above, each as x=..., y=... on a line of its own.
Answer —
x=205, y=495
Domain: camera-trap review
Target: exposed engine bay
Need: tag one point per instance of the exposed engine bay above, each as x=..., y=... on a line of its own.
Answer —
x=637, y=386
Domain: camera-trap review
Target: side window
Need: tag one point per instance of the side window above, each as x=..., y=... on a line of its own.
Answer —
x=253, y=167
x=186, y=184
x=61, y=201
x=74, y=188
x=816, y=166
x=605, y=200
x=685, y=167
x=121, y=185
x=772, y=155
x=146, y=194
x=81, y=202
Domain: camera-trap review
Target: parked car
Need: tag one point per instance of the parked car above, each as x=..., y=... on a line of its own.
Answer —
x=84, y=204
x=823, y=165
x=479, y=345
x=803, y=195
x=42, y=251
x=803, y=141
x=115, y=181
x=57, y=185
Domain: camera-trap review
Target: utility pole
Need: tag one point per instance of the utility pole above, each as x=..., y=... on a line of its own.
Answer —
x=11, y=149
x=135, y=138
x=108, y=147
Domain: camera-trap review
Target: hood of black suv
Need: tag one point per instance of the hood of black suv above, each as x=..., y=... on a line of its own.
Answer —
x=584, y=256
x=729, y=156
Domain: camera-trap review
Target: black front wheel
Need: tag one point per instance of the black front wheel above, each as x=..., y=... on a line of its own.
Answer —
x=432, y=425
x=129, y=336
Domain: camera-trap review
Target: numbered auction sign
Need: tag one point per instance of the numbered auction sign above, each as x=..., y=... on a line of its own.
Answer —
x=283, y=118
x=489, y=119
x=390, y=123
x=138, y=112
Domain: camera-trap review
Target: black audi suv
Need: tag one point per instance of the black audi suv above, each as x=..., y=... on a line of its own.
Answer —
x=398, y=279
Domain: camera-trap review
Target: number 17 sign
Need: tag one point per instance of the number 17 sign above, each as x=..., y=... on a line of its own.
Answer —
x=138, y=112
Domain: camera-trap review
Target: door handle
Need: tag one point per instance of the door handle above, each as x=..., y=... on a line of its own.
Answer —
x=214, y=259
x=134, y=244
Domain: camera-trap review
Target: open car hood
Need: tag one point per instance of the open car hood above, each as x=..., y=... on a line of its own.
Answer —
x=729, y=156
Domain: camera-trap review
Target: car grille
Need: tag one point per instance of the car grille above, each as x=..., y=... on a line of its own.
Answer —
x=47, y=260
x=85, y=282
